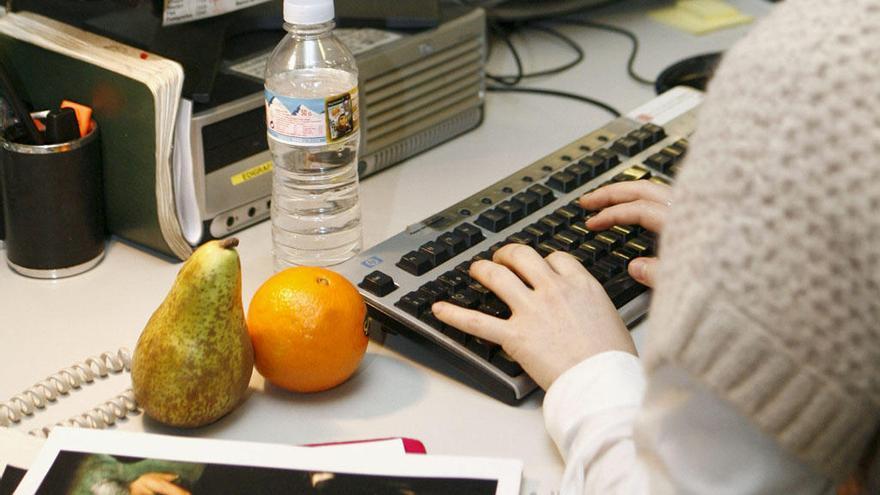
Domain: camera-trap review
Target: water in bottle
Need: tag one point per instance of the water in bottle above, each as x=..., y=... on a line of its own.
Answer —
x=312, y=121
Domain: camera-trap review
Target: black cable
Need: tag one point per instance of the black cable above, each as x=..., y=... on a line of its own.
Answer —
x=507, y=80
x=614, y=29
x=553, y=92
x=579, y=57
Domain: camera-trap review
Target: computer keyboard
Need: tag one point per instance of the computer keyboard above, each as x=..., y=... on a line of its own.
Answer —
x=401, y=277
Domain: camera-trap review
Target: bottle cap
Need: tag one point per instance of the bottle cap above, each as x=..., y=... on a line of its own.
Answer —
x=308, y=11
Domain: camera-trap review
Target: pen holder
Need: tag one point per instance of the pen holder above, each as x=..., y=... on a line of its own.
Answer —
x=52, y=201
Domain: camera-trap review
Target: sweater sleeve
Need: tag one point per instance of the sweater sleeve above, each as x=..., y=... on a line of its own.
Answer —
x=683, y=439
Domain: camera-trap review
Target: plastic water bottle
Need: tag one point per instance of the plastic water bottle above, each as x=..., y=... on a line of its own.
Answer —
x=312, y=122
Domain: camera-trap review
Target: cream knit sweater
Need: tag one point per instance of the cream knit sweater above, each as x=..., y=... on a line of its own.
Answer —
x=769, y=286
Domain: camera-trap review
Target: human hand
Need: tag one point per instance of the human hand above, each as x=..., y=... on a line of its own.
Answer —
x=639, y=202
x=560, y=318
x=156, y=484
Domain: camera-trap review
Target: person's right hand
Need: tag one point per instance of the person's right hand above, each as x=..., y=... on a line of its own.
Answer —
x=641, y=202
x=156, y=484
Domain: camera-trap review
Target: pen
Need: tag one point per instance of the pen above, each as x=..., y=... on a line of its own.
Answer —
x=21, y=113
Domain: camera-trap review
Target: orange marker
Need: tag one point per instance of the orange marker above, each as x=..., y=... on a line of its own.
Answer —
x=83, y=115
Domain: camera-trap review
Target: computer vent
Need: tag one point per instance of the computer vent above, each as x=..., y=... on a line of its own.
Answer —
x=427, y=139
x=417, y=97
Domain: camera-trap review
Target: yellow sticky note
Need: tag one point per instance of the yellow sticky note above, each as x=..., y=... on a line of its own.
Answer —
x=700, y=16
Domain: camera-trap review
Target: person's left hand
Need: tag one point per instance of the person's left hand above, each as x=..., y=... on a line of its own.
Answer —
x=156, y=484
x=560, y=318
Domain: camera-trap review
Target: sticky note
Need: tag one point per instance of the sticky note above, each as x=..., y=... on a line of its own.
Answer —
x=700, y=16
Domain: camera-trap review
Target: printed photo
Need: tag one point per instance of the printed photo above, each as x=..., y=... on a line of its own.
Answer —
x=77, y=473
x=340, y=116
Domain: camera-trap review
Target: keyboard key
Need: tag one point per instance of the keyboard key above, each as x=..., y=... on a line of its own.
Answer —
x=611, y=240
x=569, y=214
x=529, y=200
x=493, y=220
x=496, y=308
x=606, y=268
x=545, y=194
x=582, y=229
x=455, y=241
x=482, y=348
x=464, y=268
x=378, y=284
x=657, y=133
x=413, y=303
x=415, y=262
x=547, y=247
x=644, y=138
x=482, y=255
x=640, y=246
x=466, y=298
x=575, y=204
x=596, y=165
x=471, y=233
x=627, y=231
x=681, y=144
x=595, y=248
x=433, y=291
x=454, y=333
x=483, y=294
x=437, y=252
x=563, y=181
x=622, y=257
x=553, y=223
x=453, y=281
x=627, y=146
x=581, y=173
x=673, y=152
x=506, y=364
x=632, y=173
x=609, y=157
x=525, y=238
x=584, y=258
x=569, y=240
x=539, y=230
x=622, y=289
x=659, y=162
x=513, y=209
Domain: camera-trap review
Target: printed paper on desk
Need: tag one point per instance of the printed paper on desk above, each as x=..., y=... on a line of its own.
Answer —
x=114, y=460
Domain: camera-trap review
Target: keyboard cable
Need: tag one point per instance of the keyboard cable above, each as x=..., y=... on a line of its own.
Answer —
x=508, y=83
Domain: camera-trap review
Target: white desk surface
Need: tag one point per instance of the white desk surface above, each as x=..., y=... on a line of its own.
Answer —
x=47, y=325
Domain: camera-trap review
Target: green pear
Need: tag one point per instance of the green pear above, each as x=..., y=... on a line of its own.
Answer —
x=194, y=358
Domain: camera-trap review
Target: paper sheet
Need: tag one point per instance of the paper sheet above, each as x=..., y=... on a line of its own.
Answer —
x=700, y=16
x=249, y=464
x=180, y=11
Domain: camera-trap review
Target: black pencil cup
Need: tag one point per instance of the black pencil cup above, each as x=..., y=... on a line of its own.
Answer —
x=53, y=206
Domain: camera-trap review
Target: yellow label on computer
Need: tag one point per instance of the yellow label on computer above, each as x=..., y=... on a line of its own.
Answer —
x=251, y=173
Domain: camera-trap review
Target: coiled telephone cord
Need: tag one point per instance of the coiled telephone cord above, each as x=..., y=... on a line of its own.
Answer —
x=61, y=383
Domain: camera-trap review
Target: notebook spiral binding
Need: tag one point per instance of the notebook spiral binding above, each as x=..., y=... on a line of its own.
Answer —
x=61, y=383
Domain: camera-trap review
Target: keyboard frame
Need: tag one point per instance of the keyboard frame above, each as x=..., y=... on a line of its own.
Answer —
x=387, y=321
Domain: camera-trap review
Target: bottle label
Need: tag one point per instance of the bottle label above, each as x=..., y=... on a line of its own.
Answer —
x=312, y=121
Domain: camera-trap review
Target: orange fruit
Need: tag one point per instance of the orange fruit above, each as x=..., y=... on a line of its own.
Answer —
x=307, y=327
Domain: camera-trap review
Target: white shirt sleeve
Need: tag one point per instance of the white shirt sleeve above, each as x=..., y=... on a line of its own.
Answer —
x=683, y=439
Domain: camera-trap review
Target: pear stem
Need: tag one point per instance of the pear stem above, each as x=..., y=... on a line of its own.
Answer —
x=229, y=243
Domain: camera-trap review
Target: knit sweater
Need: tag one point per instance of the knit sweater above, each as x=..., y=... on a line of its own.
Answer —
x=769, y=284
